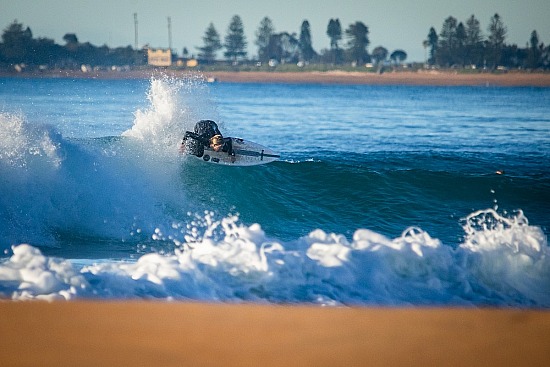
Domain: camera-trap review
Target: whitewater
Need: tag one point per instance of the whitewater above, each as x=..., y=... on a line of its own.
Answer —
x=384, y=195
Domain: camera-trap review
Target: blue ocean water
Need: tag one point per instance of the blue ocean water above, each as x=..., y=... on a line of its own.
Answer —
x=385, y=195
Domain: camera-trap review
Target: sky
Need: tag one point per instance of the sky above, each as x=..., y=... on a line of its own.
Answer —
x=393, y=24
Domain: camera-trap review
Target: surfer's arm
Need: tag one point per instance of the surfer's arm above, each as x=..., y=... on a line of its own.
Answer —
x=228, y=146
x=192, y=135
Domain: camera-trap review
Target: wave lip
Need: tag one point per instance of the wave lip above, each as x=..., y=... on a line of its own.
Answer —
x=23, y=145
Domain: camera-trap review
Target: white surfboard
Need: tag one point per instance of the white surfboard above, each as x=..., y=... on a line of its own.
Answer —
x=246, y=153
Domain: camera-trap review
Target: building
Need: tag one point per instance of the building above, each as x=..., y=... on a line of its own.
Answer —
x=159, y=57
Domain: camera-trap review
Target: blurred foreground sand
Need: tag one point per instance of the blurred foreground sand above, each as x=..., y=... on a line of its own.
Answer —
x=144, y=333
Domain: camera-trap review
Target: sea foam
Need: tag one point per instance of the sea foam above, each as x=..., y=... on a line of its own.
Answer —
x=243, y=264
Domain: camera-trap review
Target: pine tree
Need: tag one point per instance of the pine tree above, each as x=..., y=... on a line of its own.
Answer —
x=460, y=50
x=447, y=42
x=235, y=40
x=334, y=32
x=306, y=50
x=497, y=36
x=535, y=51
x=358, y=41
x=433, y=42
x=473, y=45
x=263, y=36
x=17, y=43
x=473, y=32
x=212, y=44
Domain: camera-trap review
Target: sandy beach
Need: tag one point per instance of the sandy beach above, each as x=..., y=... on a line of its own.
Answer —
x=192, y=334
x=421, y=77
x=390, y=78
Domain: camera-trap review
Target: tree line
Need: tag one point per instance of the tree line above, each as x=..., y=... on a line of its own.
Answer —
x=18, y=46
x=461, y=45
x=458, y=44
x=284, y=47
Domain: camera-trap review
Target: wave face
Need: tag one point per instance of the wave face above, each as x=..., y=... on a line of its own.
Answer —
x=125, y=216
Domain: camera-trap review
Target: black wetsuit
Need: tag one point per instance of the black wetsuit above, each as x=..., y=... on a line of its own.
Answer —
x=204, y=130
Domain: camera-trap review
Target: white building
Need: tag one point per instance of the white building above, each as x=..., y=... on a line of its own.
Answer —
x=159, y=57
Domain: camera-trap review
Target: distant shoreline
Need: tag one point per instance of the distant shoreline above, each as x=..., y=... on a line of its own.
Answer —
x=422, y=77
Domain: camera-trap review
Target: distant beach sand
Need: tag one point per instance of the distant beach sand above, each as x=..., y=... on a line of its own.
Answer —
x=423, y=77
x=391, y=78
x=145, y=333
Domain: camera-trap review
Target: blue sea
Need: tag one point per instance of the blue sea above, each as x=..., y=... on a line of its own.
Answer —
x=384, y=195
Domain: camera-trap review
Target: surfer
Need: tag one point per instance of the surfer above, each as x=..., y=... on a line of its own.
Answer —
x=208, y=144
x=207, y=134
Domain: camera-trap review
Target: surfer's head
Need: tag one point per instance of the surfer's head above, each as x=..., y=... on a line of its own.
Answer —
x=216, y=142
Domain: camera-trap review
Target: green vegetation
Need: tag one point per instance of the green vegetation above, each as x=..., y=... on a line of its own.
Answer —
x=464, y=46
x=211, y=46
x=460, y=46
x=18, y=48
x=235, y=41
